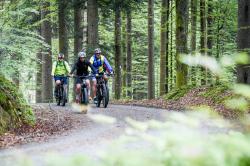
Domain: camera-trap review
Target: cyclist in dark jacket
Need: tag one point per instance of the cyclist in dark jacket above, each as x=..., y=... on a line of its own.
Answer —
x=81, y=67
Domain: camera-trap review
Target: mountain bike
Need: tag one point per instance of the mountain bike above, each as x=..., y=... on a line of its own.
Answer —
x=61, y=97
x=84, y=99
x=102, y=91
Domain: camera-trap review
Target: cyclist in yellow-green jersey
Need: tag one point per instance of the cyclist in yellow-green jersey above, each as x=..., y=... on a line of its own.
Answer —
x=60, y=71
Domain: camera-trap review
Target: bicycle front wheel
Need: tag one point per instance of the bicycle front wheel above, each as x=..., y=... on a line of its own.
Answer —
x=105, y=96
x=84, y=96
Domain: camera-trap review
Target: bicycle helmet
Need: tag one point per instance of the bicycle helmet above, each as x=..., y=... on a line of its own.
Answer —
x=98, y=51
x=60, y=56
x=81, y=54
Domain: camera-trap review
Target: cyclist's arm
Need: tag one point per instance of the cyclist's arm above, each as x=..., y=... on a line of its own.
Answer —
x=91, y=60
x=92, y=68
x=73, y=69
x=107, y=65
x=67, y=67
x=53, y=69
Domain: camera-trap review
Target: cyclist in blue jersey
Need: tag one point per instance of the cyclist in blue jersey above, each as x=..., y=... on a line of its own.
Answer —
x=101, y=65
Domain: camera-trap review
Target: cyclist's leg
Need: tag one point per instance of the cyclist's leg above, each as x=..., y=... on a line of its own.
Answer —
x=94, y=87
x=78, y=90
x=88, y=87
x=65, y=86
x=93, y=79
x=57, y=84
x=105, y=78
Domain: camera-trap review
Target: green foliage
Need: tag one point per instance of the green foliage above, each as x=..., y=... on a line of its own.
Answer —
x=177, y=93
x=20, y=41
x=14, y=110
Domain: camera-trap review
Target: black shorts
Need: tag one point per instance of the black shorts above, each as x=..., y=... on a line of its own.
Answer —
x=78, y=80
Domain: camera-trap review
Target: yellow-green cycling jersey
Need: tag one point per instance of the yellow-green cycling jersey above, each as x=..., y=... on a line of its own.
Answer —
x=60, y=68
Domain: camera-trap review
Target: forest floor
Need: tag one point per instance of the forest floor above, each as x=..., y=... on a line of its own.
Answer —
x=190, y=99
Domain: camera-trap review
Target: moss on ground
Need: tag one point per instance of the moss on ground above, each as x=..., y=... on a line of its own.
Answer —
x=14, y=110
x=177, y=93
x=216, y=93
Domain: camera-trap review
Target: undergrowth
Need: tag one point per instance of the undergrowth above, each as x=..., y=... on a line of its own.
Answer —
x=14, y=110
x=177, y=93
x=216, y=93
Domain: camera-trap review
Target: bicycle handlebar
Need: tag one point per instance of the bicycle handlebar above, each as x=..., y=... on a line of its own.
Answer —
x=101, y=75
x=88, y=76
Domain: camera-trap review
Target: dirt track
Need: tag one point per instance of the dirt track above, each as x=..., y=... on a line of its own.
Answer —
x=85, y=136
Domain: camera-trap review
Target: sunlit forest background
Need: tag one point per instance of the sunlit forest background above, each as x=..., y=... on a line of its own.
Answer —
x=141, y=39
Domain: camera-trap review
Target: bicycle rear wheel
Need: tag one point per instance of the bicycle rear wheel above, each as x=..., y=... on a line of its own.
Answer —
x=99, y=96
x=59, y=96
x=107, y=93
x=64, y=96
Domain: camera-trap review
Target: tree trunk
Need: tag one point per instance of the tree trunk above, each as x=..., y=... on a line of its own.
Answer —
x=118, y=53
x=167, y=48
x=203, y=38
x=151, y=82
x=39, y=78
x=209, y=34
x=63, y=33
x=171, y=71
x=164, y=50
x=78, y=33
x=210, y=27
x=15, y=57
x=243, y=41
x=193, y=37
x=124, y=56
x=92, y=19
x=85, y=27
x=78, y=28
x=39, y=69
x=181, y=41
x=129, y=55
x=47, y=88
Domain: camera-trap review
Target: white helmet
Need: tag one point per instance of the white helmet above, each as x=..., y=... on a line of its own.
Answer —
x=98, y=51
x=60, y=55
x=81, y=54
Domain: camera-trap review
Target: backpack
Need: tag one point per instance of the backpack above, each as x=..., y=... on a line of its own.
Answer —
x=63, y=64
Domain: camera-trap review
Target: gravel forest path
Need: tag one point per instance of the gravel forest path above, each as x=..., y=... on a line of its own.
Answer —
x=85, y=135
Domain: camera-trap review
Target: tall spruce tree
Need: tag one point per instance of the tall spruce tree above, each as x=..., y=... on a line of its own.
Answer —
x=181, y=41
